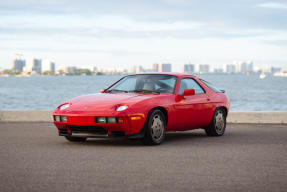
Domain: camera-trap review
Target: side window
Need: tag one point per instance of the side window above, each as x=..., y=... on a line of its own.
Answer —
x=188, y=83
x=216, y=90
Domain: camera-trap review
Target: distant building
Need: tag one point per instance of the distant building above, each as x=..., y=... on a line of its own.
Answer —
x=188, y=68
x=275, y=69
x=243, y=67
x=70, y=69
x=161, y=67
x=230, y=68
x=48, y=66
x=137, y=69
x=18, y=65
x=33, y=64
x=165, y=67
x=249, y=66
x=204, y=68
x=155, y=67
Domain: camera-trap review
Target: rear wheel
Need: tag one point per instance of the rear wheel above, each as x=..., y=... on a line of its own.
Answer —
x=76, y=139
x=155, y=128
x=218, y=123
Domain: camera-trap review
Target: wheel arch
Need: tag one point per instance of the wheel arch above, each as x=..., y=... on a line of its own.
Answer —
x=162, y=109
x=224, y=108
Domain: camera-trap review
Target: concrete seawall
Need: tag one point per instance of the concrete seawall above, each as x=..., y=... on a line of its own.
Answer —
x=233, y=117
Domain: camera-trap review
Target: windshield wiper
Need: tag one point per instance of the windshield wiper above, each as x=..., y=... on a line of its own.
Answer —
x=144, y=91
x=116, y=91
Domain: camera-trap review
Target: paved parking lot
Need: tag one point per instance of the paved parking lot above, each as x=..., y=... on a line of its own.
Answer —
x=249, y=157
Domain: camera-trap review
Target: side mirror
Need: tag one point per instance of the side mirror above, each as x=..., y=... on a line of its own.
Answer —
x=103, y=90
x=188, y=92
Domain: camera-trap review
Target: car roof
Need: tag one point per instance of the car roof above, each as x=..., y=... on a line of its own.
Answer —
x=166, y=73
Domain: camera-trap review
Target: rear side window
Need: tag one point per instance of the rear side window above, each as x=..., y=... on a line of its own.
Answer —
x=188, y=83
x=212, y=87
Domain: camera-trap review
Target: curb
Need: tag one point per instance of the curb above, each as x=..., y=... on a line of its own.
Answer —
x=233, y=117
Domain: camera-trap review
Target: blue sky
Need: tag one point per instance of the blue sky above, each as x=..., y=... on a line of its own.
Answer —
x=119, y=34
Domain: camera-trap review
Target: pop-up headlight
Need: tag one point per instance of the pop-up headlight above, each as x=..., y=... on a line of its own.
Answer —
x=65, y=106
x=122, y=108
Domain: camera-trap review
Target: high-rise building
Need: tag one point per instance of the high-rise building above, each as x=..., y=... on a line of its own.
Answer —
x=188, y=68
x=155, y=67
x=204, y=68
x=18, y=65
x=243, y=67
x=249, y=66
x=161, y=67
x=48, y=66
x=33, y=64
x=165, y=67
x=230, y=68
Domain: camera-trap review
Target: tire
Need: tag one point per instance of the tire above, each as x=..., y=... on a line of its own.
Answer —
x=155, y=128
x=218, y=124
x=76, y=139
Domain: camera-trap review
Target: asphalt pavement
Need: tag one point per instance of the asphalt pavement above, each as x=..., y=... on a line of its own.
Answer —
x=249, y=157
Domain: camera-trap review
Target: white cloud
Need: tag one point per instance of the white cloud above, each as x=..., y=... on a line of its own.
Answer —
x=111, y=22
x=273, y=5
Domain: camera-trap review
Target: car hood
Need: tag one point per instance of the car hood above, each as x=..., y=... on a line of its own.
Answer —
x=105, y=101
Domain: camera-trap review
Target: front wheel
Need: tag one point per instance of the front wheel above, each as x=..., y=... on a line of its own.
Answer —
x=76, y=139
x=155, y=128
x=218, y=123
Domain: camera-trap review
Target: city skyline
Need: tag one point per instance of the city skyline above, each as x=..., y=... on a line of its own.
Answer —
x=177, y=67
x=32, y=65
x=118, y=35
x=19, y=62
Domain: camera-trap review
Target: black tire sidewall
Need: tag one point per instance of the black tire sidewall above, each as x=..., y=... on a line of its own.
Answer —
x=223, y=112
x=148, y=135
x=211, y=129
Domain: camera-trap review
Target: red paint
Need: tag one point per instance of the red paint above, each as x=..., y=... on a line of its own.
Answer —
x=185, y=112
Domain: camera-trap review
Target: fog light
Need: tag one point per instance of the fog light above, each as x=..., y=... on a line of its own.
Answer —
x=101, y=119
x=63, y=118
x=112, y=120
x=57, y=118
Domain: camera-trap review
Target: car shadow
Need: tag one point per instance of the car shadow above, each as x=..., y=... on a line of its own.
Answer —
x=171, y=138
x=184, y=135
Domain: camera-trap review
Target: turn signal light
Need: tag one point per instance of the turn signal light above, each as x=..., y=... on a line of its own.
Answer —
x=136, y=118
x=120, y=120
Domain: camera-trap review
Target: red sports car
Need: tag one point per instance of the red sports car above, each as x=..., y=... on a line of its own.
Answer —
x=145, y=106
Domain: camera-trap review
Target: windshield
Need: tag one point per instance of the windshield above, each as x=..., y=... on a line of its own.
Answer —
x=150, y=83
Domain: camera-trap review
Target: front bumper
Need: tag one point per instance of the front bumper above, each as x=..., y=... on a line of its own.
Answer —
x=88, y=131
x=86, y=125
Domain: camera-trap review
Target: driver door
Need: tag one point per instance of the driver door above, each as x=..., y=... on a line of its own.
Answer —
x=191, y=110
